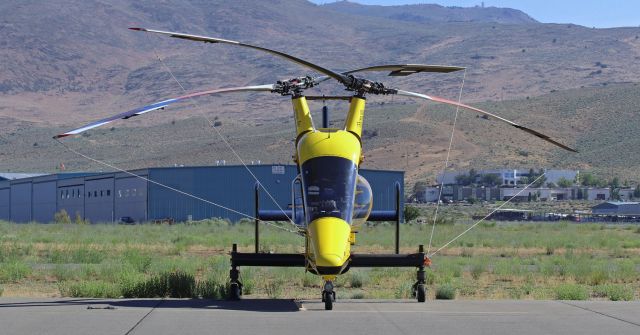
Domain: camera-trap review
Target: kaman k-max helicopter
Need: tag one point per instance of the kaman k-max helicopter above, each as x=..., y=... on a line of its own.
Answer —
x=336, y=200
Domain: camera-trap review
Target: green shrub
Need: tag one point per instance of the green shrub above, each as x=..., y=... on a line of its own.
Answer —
x=273, y=288
x=571, y=292
x=90, y=289
x=61, y=217
x=404, y=291
x=359, y=279
x=357, y=295
x=411, y=213
x=14, y=271
x=614, y=292
x=210, y=289
x=175, y=284
x=1, y=290
x=477, y=270
x=446, y=292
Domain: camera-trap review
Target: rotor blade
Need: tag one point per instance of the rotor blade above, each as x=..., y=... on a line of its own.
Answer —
x=407, y=69
x=337, y=76
x=162, y=105
x=400, y=70
x=477, y=110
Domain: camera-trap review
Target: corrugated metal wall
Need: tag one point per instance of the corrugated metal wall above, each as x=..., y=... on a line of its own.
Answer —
x=44, y=201
x=5, y=201
x=98, y=202
x=21, y=202
x=70, y=196
x=131, y=197
x=233, y=187
x=109, y=196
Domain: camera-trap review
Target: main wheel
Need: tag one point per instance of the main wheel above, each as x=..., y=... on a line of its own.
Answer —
x=422, y=293
x=234, y=291
x=328, y=298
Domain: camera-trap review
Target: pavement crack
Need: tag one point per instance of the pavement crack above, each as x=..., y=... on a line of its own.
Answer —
x=144, y=317
x=603, y=314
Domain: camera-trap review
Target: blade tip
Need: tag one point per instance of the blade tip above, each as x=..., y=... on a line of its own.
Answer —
x=137, y=29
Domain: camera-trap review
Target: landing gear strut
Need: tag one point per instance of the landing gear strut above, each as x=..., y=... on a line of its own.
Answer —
x=235, y=286
x=419, y=290
x=328, y=295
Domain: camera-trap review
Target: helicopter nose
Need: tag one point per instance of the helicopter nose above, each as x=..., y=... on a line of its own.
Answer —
x=330, y=239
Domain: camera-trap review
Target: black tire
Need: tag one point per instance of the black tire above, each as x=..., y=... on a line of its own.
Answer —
x=234, y=291
x=422, y=293
x=328, y=300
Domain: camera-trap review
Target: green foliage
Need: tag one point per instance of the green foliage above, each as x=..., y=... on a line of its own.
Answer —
x=477, y=270
x=564, y=182
x=446, y=292
x=61, y=217
x=1, y=290
x=358, y=295
x=571, y=292
x=411, y=213
x=176, y=284
x=359, y=279
x=614, y=292
x=14, y=271
x=273, y=288
x=90, y=289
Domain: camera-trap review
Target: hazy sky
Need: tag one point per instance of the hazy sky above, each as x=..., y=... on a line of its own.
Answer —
x=590, y=13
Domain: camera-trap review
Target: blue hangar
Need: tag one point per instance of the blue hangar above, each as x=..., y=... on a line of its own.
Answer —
x=108, y=197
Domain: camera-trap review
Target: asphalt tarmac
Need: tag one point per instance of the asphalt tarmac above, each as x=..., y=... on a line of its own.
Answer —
x=171, y=316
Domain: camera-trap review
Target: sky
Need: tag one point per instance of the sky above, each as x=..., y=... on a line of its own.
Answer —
x=589, y=13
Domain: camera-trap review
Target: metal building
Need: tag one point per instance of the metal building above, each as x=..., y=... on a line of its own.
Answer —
x=227, y=191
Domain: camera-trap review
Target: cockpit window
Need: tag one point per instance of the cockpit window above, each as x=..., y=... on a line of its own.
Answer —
x=329, y=187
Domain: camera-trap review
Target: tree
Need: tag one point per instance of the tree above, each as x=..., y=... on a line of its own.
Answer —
x=588, y=179
x=491, y=179
x=615, y=182
x=411, y=213
x=419, y=188
x=564, y=182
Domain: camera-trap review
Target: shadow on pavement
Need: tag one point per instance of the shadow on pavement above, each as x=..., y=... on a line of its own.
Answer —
x=252, y=305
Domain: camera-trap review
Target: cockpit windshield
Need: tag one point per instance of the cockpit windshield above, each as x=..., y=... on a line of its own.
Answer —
x=329, y=187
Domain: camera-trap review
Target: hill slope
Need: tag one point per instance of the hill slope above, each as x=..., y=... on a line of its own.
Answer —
x=430, y=13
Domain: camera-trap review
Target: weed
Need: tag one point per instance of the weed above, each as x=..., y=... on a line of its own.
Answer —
x=446, y=292
x=210, y=289
x=359, y=279
x=571, y=292
x=614, y=292
x=89, y=289
x=404, y=291
x=309, y=280
x=14, y=271
x=477, y=270
x=273, y=288
x=358, y=295
x=176, y=284
x=1, y=290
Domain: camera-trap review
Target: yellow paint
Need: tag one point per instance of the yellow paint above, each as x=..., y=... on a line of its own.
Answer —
x=355, y=117
x=302, y=116
x=352, y=238
x=329, y=238
x=329, y=142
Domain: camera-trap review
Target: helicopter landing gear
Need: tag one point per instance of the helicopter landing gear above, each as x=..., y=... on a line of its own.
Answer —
x=328, y=295
x=419, y=289
x=235, y=286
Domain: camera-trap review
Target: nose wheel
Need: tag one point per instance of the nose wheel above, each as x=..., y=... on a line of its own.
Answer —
x=328, y=295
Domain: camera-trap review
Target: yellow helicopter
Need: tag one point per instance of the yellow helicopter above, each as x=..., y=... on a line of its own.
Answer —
x=336, y=200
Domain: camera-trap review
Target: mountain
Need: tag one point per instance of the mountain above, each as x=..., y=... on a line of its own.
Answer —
x=431, y=13
x=68, y=62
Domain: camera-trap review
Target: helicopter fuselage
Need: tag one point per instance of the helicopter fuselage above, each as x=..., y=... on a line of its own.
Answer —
x=328, y=160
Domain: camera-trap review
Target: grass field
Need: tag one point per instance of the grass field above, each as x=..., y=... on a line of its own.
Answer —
x=493, y=261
